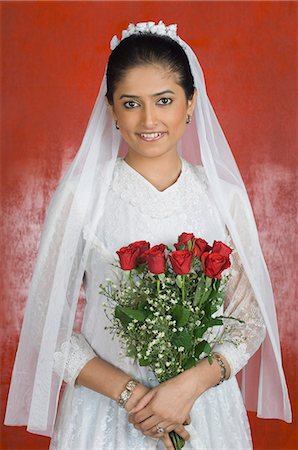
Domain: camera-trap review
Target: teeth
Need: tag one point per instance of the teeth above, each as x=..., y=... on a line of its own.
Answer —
x=150, y=135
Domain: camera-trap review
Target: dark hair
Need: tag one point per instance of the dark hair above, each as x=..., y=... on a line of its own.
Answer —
x=145, y=49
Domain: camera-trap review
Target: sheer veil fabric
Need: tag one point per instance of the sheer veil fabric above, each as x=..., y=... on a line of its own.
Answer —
x=57, y=277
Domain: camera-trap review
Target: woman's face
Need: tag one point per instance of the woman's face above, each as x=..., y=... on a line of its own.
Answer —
x=151, y=110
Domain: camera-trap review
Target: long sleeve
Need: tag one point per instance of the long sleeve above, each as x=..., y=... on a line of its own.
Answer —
x=79, y=353
x=239, y=341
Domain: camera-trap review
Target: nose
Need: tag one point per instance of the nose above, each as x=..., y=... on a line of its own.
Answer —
x=149, y=117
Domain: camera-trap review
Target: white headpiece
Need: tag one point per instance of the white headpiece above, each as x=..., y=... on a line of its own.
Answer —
x=148, y=27
x=79, y=200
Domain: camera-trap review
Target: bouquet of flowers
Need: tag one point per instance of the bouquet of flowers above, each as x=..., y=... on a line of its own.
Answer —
x=167, y=303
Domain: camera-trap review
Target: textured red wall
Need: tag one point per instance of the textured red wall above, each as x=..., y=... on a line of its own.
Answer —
x=53, y=56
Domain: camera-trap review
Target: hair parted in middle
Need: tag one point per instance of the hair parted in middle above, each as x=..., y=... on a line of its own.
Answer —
x=146, y=49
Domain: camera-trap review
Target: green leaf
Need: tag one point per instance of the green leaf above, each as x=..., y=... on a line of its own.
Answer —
x=189, y=363
x=200, y=348
x=208, y=312
x=207, y=348
x=143, y=362
x=199, y=331
x=217, y=283
x=215, y=321
x=179, y=281
x=199, y=291
x=182, y=339
x=124, y=319
x=181, y=315
x=140, y=316
x=208, y=282
x=207, y=294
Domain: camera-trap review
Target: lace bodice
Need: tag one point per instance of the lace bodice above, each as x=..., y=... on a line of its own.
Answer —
x=136, y=210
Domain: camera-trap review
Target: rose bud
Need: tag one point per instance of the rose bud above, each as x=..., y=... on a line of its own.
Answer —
x=185, y=237
x=214, y=264
x=201, y=246
x=128, y=257
x=221, y=248
x=181, y=261
x=156, y=259
x=143, y=246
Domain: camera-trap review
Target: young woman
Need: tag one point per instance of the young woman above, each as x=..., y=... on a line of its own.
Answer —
x=178, y=175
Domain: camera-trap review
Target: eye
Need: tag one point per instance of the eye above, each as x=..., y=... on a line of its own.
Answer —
x=165, y=101
x=131, y=104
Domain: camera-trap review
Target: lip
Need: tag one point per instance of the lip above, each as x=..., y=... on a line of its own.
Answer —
x=146, y=138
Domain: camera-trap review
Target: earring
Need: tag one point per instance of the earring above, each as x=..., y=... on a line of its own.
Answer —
x=116, y=125
x=188, y=119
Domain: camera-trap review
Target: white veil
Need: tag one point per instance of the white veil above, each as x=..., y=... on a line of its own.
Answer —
x=79, y=200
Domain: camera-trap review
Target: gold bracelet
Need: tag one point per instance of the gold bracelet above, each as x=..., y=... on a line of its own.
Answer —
x=127, y=393
x=223, y=370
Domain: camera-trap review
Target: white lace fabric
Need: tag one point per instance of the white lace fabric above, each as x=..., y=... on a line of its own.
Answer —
x=240, y=340
x=77, y=352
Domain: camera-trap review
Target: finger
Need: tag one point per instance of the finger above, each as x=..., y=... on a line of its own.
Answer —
x=182, y=432
x=147, y=425
x=150, y=423
x=168, y=443
x=168, y=426
x=142, y=415
x=187, y=420
x=143, y=402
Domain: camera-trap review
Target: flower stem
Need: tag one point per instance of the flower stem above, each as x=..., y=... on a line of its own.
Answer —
x=158, y=285
x=183, y=288
x=131, y=280
x=202, y=297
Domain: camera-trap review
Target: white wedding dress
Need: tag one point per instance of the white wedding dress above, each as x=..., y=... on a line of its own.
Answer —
x=136, y=210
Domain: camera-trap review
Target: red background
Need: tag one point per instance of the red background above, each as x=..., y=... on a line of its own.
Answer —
x=53, y=57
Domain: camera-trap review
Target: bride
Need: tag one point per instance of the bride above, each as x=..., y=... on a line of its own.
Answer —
x=178, y=175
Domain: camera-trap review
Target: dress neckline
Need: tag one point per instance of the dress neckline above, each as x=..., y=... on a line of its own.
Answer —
x=135, y=189
x=139, y=176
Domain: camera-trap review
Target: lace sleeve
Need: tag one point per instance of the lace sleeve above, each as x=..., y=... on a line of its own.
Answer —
x=78, y=352
x=239, y=341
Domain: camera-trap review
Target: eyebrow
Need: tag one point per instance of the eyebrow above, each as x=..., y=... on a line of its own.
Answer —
x=154, y=95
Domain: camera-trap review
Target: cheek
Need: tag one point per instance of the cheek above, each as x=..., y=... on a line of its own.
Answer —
x=178, y=120
x=127, y=120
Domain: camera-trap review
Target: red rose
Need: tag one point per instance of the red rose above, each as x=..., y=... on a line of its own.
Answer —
x=183, y=240
x=156, y=259
x=181, y=261
x=221, y=248
x=185, y=237
x=201, y=246
x=143, y=246
x=128, y=257
x=214, y=264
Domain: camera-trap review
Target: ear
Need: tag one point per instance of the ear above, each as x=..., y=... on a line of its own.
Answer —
x=192, y=102
x=111, y=109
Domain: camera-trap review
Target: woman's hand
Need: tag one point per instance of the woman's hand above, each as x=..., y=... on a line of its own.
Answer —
x=167, y=406
x=139, y=392
x=135, y=400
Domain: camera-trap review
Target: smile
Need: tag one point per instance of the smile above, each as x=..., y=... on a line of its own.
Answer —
x=151, y=136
